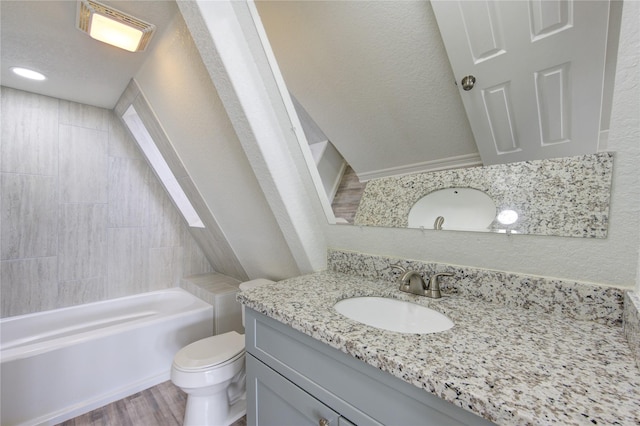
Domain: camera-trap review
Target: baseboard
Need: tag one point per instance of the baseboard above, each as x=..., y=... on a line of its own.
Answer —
x=460, y=161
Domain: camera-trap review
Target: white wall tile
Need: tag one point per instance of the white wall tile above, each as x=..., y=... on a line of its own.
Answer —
x=83, y=165
x=105, y=228
x=121, y=143
x=29, y=135
x=81, y=115
x=28, y=220
x=88, y=290
x=28, y=285
x=128, y=261
x=128, y=192
x=194, y=261
x=165, y=221
x=82, y=242
x=165, y=267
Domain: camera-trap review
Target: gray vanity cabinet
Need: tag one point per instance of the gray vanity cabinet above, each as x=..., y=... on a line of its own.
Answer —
x=280, y=402
x=293, y=379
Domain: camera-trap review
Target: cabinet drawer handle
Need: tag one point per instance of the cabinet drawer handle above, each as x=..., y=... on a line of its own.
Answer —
x=323, y=422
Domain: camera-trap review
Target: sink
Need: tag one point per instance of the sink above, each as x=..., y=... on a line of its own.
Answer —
x=393, y=315
x=463, y=209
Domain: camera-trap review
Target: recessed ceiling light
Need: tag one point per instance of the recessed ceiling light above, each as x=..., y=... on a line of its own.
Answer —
x=112, y=26
x=27, y=73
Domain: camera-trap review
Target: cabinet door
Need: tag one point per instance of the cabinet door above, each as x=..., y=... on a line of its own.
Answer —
x=272, y=400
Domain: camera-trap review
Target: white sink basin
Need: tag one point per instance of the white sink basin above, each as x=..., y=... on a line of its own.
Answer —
x=393, y=315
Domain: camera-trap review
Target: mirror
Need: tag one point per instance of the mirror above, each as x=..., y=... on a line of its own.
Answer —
x=561, y=197
x=373, y=80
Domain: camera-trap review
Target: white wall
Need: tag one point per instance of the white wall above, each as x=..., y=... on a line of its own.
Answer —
x=177, y=86
x=83, y=218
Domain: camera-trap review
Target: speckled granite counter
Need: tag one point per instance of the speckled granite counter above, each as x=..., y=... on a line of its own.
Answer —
x=510, y=365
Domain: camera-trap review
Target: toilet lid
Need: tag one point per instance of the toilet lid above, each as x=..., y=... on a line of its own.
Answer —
x=211, y=351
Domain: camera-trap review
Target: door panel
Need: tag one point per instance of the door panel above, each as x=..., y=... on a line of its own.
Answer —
x=554, y=105
x=539, y=69
x=482, y=28
x=499, y=111
x=549, y=17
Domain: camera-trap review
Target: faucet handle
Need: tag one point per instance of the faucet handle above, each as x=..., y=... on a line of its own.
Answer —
x=404, y=285
x=433, y=288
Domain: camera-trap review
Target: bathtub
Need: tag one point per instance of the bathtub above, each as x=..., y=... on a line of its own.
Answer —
x=58, y=364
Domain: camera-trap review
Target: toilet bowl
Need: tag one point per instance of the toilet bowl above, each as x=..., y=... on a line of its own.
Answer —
x=211, y=372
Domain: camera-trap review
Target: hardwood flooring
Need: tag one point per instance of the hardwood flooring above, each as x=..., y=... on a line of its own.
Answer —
x=161, y=405
x=347, y=198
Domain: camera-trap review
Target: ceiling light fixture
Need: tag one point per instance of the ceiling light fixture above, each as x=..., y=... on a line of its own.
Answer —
x=27, y=73
x=112, y=26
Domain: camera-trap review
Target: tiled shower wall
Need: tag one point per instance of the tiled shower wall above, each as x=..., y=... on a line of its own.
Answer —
x=83, y=218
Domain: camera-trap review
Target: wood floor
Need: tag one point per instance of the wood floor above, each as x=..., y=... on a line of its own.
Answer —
x=347, y=198
x=161, y=405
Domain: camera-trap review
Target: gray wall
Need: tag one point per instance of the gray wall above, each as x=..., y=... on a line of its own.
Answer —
x=83, y=218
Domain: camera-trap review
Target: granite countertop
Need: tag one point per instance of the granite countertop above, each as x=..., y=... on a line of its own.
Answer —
x=508, y=365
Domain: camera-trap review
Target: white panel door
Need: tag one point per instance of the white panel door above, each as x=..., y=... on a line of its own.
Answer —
x=539, y=72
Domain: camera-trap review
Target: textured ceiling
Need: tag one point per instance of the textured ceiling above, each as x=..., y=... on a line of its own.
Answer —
x=42, y=35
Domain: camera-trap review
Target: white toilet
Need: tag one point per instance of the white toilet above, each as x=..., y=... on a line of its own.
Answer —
x=211, y=372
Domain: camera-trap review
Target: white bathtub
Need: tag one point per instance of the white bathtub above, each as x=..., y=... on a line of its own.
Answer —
x=58, y=364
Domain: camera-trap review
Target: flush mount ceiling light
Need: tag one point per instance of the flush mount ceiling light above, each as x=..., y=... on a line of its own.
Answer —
x=27, y=73
x=111, y=26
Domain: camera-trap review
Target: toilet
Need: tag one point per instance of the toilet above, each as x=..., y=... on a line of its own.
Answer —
x=211, y=372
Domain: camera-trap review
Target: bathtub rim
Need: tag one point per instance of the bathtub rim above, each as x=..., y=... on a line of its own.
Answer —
x=17, y=351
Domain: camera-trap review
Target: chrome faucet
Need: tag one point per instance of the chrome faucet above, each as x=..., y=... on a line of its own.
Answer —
x=412, y=282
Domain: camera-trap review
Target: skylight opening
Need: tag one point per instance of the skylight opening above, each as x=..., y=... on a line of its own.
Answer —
x=151, y=151
x=28, y=73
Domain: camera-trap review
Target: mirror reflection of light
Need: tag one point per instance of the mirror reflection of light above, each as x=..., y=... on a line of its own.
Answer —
x=507, y=217
x=27, y=73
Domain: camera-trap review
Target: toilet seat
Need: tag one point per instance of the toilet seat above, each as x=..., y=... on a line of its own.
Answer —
x=215, y=351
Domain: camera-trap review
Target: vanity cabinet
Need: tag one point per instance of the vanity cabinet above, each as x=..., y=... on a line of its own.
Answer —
x=295, y=379
x=283, y=403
